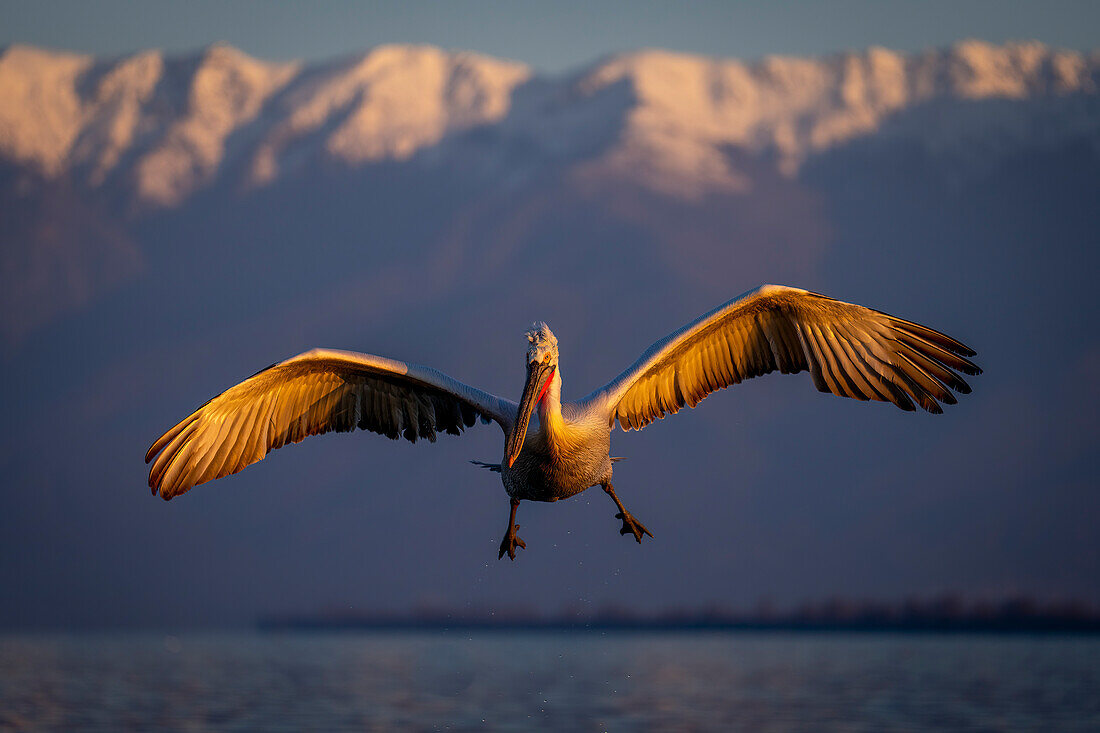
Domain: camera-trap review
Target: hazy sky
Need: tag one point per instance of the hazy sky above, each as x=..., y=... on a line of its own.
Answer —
x=549, y=35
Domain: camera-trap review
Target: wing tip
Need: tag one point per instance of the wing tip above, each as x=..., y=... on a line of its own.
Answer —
x=169, y=492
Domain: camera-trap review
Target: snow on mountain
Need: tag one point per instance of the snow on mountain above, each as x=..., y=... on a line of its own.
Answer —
x=691, y=110
x=168, y=121
x=41, y=112
x=166, y=127
x=226, y=91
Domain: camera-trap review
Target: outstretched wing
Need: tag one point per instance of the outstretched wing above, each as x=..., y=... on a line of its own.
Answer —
x=849, y=351
x=316, y=392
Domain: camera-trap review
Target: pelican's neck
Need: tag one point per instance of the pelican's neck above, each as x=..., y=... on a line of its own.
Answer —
x=550, y=405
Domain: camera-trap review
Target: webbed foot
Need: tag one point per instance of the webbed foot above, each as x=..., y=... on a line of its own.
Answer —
x=510, y=542
x=632, y=526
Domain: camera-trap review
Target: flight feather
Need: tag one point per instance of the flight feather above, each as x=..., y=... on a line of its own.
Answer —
x=849, y=350
x=320, y=391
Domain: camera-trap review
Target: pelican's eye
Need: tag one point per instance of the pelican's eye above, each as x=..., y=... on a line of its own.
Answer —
x=546, y=359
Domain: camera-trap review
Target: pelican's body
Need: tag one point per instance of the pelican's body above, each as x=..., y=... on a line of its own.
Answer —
x=570, y=452
x=849, y=350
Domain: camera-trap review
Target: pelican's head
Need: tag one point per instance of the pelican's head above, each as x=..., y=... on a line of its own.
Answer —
x=542, y=363
x=542, y=345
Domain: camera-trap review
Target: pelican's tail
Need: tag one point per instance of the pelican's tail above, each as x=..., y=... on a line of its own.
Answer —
x=494, y=467
x=616, y=459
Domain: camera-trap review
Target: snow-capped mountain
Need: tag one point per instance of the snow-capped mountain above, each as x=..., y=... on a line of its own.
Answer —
x=162, y=128
x=98, y=155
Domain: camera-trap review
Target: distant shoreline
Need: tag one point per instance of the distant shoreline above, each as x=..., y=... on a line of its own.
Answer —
x=1007, y=618
x=267, y=626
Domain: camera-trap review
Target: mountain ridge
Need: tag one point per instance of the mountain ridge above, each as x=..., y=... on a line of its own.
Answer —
x=162, y=126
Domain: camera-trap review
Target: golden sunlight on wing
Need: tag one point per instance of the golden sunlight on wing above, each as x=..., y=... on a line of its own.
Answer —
x=849, y=351
x=316, y=392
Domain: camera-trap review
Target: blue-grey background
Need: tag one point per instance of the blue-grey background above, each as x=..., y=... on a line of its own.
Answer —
x=551, y=37
x=121, y=318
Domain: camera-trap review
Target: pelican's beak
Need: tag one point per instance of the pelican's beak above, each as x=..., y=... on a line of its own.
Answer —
x=538, y=380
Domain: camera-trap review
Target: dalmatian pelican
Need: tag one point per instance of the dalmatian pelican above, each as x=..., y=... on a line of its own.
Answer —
x=849, y=350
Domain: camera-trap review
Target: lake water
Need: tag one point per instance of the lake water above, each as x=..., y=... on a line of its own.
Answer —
x=551, y=681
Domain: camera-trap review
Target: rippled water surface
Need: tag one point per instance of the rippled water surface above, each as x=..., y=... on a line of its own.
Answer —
x=547, y=680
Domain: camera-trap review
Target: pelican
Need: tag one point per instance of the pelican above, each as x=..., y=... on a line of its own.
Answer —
x=849, y=350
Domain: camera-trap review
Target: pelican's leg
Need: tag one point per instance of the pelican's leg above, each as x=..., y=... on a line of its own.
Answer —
x=510, y=541
x=630, y=524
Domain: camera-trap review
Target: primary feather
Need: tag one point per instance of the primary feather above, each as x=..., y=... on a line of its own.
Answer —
x=849, y=350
